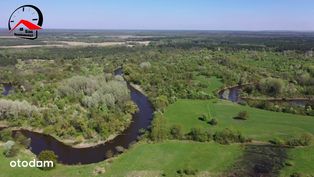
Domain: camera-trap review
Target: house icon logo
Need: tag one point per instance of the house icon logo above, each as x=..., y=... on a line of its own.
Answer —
x=26, y=21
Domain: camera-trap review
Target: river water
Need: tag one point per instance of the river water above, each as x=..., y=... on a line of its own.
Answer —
x=233, y=94
x=6, y=89
x=69, y=155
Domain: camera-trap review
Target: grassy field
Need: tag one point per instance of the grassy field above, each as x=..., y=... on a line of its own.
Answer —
x=302, y=160
x=143, y=160
x=171, y=156
x=261, y=125
x=213, y=83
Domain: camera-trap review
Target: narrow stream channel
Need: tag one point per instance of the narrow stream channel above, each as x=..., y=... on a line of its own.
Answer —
x=233, y=94
x=71, y=156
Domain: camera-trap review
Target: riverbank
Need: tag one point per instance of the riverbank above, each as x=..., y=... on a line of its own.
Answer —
x=86, y=143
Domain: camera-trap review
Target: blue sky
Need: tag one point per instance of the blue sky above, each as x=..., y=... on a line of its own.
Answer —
x=171, y=14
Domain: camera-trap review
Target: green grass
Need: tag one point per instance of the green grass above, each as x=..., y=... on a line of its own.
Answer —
x=261, y=125
x=213, y=83
x=171, y=156
x=302, y=160
x=149, y=159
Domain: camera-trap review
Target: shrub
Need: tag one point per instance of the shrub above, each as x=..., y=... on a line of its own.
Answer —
x=5, y=135
x=145, y=65
x=48, y=156
x=196, y=134
x=11, y=149
x=22, y=140
x=203, y=118
x=243, y=115
x=228, y=136
x=176, y=132
x=272, y=86
x=187, y=171
x=159, y=131
x=304, y=140
x=213, y=122
x=15, y=109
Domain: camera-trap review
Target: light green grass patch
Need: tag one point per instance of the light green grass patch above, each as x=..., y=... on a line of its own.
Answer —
x=171, y=156
x=213, y=83
x=261, y=125
x=302, y=160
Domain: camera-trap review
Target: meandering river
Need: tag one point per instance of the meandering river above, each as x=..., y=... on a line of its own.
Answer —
x=69, y=155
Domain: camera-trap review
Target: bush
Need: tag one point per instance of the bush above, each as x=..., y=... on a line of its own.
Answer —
x=16, y=109
x=304, y=140
x=196, y=134
x=203, y=118
x=11, y=149
x=48, y=156
x=243, y=115
x=159, y=131
x=213, y=122
x=22, y=140
x=176, y=132
x=5, y=135
x=228, y=136
x=272, y=86
x=187, y=171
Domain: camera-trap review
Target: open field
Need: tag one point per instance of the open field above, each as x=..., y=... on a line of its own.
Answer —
x=262, y=125
x=167, y=158
x=302, y=160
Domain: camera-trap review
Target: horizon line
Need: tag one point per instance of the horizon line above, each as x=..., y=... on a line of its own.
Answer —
x=213, y=30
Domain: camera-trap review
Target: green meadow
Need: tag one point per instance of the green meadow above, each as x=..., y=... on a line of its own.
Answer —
x=302, y=161
x=262, y=125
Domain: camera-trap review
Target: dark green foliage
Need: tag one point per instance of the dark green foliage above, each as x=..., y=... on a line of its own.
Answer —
x=159, y=131
x=5, y=135
x=22, y=140
x=176, y=132
x=187, y=172
x=304, y=140
x=243, y=115
x=272, y=86
x=197, y=134
x=161, y=102
x=213, y=122
x=48, y=156
x=228, y=136
x=203, y=118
